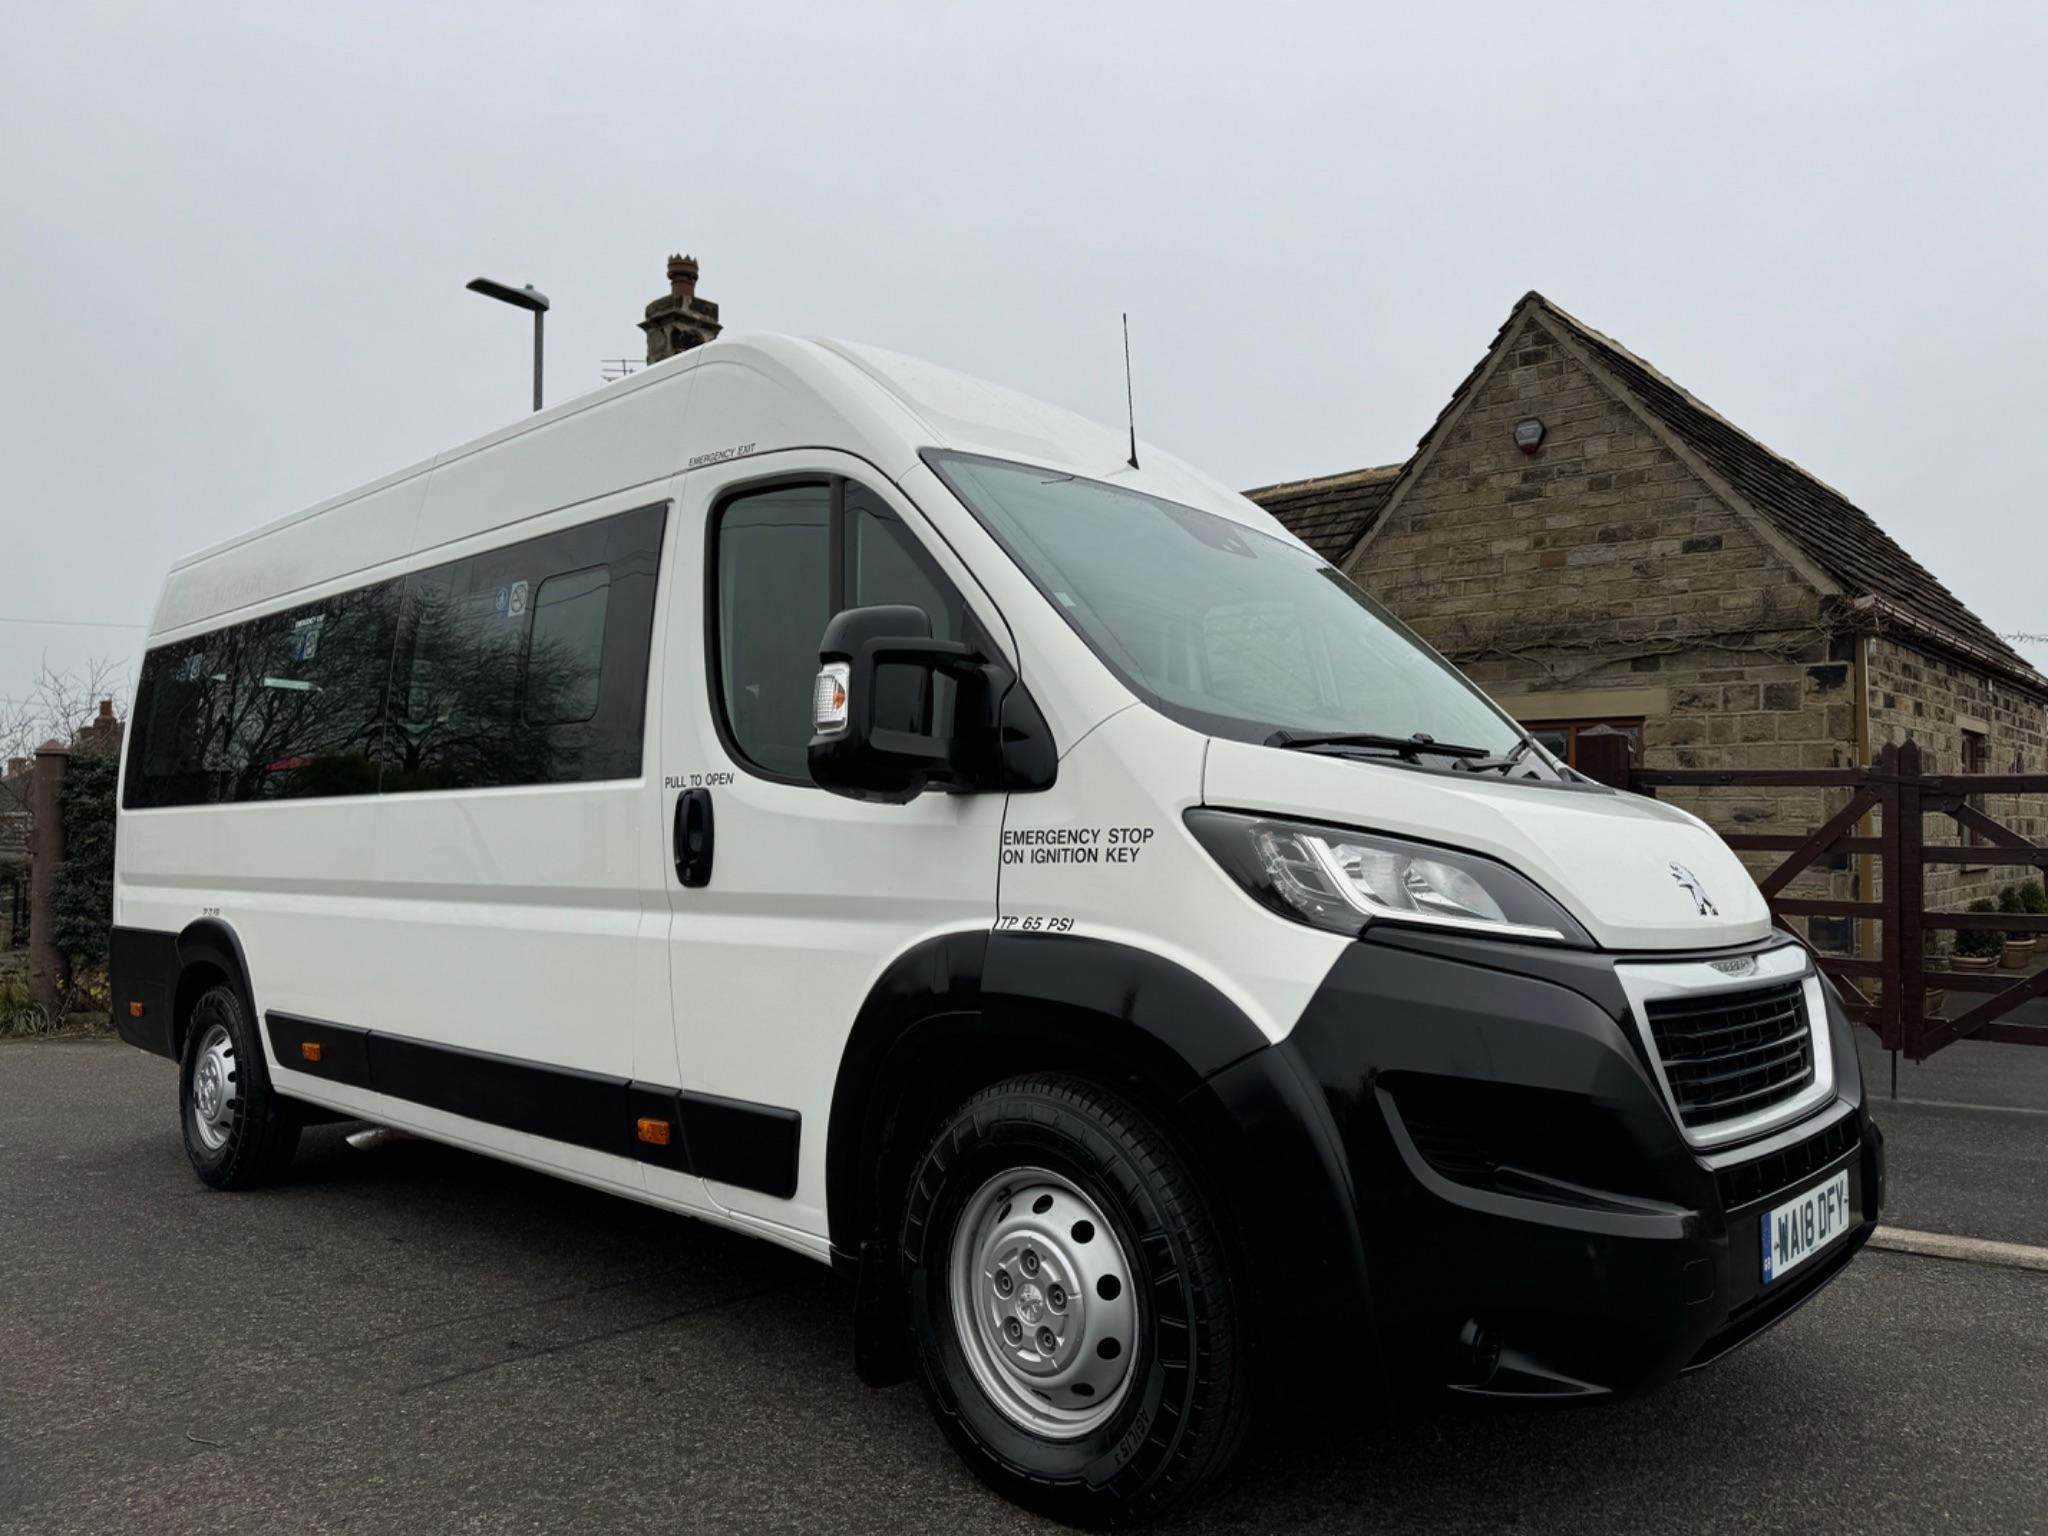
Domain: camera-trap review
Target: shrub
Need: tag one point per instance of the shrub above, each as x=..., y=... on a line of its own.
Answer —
x=2013, y=904
x=1981, y=941
x=84, y=899
x=2034, y=899
x=20, y=1013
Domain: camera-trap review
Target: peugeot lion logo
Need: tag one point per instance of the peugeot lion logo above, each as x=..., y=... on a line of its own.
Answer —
x=1690, y=884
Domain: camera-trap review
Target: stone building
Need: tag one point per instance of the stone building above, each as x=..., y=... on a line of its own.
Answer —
x=1601, y=551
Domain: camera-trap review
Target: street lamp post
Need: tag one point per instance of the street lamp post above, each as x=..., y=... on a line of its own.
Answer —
x=528, y=297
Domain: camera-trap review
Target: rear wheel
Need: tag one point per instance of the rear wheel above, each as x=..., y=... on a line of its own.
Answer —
x=1070, y=1312
x=238, y=1132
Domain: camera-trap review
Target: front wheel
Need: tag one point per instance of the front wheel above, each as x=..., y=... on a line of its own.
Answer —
x=1069, y=1305
x=238, y=1132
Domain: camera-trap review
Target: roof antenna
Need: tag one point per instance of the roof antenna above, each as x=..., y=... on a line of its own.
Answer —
x=1130, y=409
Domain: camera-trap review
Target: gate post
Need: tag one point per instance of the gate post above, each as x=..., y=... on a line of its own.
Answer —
x=1907, y=912
x=1884, y=776
x=48, y=971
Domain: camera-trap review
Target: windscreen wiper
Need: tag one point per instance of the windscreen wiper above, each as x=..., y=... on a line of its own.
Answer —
x=1504, y=764
x=1401, y=746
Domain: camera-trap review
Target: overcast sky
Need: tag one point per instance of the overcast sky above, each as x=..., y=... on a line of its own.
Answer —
x=234, y=238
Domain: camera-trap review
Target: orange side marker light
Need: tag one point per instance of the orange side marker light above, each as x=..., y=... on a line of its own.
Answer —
x=654, y=1132
x=310, y=1049
x=135, y=1010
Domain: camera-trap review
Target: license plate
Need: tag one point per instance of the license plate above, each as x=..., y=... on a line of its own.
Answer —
x=1795, y=1231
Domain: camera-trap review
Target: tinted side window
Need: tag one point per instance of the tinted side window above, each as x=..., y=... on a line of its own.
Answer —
x=774, y=597
x=523, y=665
x=566, y=652
x=287, y=705
x=526, y=664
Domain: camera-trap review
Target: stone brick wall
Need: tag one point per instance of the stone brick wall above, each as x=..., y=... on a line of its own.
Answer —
x=1918, y=694
x=1603, y=567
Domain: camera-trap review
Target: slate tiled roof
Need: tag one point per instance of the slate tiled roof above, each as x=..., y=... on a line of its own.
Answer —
x=1329, y=514
x=1333, y=513
x=1829, y=529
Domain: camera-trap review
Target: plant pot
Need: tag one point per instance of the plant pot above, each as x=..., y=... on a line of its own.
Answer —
x=1973, y=962
x=2017, y=953
x=1936, y=999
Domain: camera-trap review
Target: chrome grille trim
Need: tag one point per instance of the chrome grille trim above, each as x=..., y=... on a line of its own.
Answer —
x=1701, y=980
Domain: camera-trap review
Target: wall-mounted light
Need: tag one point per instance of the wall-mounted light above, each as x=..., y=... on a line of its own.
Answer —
x=1529, y=434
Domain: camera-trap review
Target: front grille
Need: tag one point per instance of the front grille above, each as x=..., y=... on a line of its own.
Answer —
x=1730, y=1054
x=1775, y=1172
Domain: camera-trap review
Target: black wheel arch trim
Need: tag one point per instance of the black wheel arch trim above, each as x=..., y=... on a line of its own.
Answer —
x=148, y=966
x=1259, y=1129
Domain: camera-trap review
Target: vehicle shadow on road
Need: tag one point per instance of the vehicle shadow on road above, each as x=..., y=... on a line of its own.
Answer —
x=1791, y=1414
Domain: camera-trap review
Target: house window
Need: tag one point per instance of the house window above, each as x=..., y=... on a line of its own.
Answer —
x=1561, y=737
x=1976, y=759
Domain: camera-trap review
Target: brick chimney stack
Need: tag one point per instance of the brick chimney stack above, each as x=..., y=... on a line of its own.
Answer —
x=679, y=320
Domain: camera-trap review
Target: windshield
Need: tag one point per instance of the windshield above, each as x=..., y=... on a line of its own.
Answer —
x=1230, y=631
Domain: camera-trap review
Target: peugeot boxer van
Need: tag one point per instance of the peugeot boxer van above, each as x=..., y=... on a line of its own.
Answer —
x=834, y=798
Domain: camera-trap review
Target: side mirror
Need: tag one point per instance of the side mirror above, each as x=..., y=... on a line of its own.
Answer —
x=873, y=710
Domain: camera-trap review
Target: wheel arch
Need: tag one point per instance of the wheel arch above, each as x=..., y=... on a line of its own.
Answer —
x=965, y=1009
x=961, y=1009
x=209, y=953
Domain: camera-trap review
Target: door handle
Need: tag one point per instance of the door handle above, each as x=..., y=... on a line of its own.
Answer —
x=693, y=838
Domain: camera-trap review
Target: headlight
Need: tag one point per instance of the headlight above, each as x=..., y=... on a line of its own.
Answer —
x=1341, y=880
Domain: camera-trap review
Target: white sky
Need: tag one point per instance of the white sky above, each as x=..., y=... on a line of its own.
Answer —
x=234, y=238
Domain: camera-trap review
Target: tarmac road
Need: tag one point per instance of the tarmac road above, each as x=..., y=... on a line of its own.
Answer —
x=413, y=1339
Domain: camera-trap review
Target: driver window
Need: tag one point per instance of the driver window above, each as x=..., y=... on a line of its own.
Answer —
x=774, y=596
x=778, y=584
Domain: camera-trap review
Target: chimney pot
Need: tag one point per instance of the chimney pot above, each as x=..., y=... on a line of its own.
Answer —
x=682, y=276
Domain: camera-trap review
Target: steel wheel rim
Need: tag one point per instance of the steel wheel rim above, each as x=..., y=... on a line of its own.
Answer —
x=1044, y=1303
x=214, y=1095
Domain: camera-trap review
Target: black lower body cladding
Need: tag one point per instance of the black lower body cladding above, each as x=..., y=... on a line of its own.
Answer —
x=1533, y=1221
x=142, y=977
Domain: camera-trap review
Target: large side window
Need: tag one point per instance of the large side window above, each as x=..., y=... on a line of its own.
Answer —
x=526, y=664
x=788, y=558
x=287, y=705
x=523, y=665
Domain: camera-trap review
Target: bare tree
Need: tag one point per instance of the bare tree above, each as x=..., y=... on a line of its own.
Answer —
x=55, y=705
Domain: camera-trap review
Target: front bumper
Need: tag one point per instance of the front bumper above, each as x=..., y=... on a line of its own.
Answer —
x=1531, y=1217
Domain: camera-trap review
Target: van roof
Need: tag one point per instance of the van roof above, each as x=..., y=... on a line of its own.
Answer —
x=739, y=396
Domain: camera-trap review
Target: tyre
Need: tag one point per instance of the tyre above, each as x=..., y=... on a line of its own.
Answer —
x=238, y=1132
x=1069, y=1305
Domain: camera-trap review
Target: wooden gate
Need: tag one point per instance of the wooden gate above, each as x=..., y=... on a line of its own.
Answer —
x=1901, y=796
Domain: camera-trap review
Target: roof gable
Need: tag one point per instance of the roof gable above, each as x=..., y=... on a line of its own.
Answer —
x=1819, y=526
x=1834, y=533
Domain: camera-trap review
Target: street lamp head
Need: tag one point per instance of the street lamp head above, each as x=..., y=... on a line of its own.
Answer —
x=528, y=297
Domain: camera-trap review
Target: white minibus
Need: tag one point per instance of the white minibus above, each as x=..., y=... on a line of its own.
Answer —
x=825, y=795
